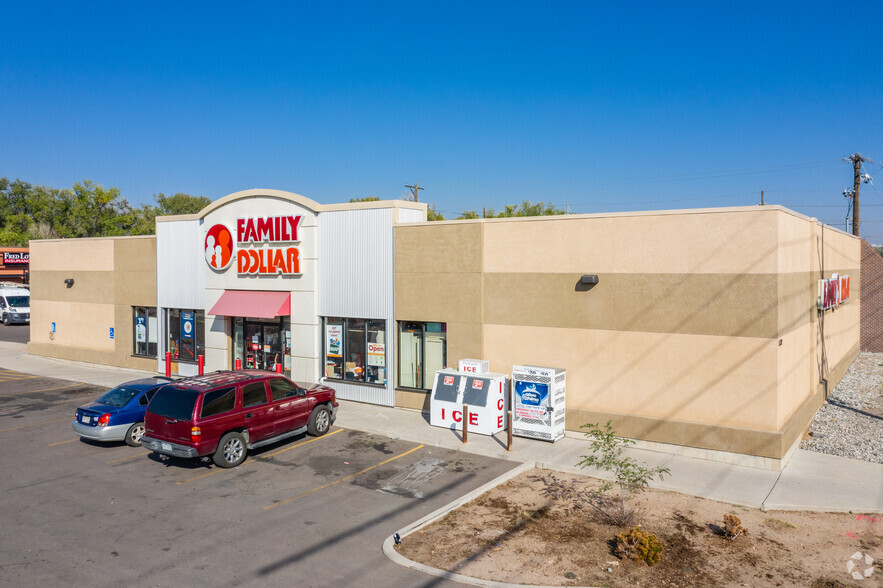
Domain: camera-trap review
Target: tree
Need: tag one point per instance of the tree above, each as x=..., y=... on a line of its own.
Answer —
x=86, y=210
x=434, y=215
x=365, y=199
x=630, y=476
x=180, y=203
x=526, y=208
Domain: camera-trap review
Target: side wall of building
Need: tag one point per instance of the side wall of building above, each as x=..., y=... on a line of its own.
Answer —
x=110, y=276
x=872, y=299
x=678, y=342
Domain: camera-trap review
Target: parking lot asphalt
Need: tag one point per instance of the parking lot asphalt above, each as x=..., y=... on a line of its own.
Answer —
x=309, y=511
x=15, y=333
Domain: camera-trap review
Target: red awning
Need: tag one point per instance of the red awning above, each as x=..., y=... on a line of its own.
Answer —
x=253, y=304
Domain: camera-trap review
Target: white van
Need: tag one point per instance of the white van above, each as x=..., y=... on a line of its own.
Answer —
x=15, y=305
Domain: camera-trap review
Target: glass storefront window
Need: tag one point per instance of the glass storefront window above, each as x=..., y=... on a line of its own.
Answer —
x=145, y=330
x=355, y=349
x=375, y=353
x=262, y=344
x=185, y=333
x=334, y=348
x=422, y=351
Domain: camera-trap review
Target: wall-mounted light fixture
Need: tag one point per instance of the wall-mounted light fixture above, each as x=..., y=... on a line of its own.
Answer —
x=589, y=279
x=69, y=282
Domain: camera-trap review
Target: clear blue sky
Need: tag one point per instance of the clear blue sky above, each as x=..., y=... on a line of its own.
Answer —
x=599, y=106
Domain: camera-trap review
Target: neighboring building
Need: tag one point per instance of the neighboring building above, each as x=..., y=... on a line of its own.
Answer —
x=703, y=331
x=14, y=264
x=872, y=299
x=91, y=318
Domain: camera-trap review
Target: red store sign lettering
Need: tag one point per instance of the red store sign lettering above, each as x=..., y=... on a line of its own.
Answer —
x=263, y=246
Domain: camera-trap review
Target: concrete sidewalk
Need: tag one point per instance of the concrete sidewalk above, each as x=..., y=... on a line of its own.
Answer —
x=810, y=481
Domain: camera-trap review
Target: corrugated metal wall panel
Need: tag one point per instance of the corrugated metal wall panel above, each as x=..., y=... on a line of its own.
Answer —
x=180, y=275
x=409, y=215
x=180, y=271
x=370, y=394
x=356, y=280
x=356, y=257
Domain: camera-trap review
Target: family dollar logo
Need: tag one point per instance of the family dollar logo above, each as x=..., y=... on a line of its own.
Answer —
x=219, y=247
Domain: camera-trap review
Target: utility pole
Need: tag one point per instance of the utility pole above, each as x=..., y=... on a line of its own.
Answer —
x=761, y=197
x=415, y=188
x=857, y=160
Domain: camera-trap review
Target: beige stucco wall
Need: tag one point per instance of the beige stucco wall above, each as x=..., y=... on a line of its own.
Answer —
x=701, y=330
x=111, y=275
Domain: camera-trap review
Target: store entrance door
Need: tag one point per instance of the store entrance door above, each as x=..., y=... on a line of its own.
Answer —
x=263, y=345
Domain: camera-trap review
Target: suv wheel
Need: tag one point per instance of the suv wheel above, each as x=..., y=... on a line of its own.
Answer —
x=134, y=434
x=320, y=421
x=231, y=451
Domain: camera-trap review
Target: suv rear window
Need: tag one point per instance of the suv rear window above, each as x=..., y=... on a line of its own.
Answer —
x=218, y=401
x=174, y=403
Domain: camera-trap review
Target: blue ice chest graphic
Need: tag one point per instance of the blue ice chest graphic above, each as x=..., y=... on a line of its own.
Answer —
x=111, y=332
x=531, y=393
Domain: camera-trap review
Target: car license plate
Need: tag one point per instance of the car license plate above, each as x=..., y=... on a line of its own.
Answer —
x=166, y=446
x=85, y=419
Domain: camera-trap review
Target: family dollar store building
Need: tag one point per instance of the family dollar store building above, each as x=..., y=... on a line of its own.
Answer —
x=700, y=331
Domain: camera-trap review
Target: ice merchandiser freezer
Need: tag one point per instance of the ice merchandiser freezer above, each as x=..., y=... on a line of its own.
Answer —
x=539, y=398
x=486, y=395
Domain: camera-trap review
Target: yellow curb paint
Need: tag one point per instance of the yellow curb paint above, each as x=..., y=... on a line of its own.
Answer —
x=344, y=479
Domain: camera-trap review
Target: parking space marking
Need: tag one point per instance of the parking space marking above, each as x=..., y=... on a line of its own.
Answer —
x=344, y=479
x=63, y=442
x=219, y=470
x=15, y=376
x=143, y=453
x=42, y=390
x=35, y=424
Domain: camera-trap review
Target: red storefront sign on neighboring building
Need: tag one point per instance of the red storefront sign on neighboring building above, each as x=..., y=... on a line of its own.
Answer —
x=833, y=292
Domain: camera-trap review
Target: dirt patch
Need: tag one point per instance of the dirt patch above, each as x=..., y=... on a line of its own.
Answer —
x=536, y=529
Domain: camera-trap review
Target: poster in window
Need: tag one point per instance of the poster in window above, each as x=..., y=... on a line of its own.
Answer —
x=187, y=325
x=141, y=329
x=333, y=337
x=152, y=329
x=377, y=354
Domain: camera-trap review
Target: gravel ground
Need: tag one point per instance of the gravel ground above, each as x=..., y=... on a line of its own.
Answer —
x=850, y=423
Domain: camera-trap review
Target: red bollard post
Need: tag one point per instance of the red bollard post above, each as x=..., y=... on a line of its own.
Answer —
x=168, y=364
x=200, y=362
x=278, y=368
x=238, y=365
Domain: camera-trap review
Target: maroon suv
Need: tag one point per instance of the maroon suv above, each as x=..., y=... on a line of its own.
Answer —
x=224, y=414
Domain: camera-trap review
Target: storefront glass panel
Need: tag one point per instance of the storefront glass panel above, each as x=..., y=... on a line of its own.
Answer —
x=145, y=330
x=355, y=350
x=185, y=330
x=262, y=345
x=422, y=351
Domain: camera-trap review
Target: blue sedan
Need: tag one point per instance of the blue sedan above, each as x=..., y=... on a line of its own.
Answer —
x=118, y=415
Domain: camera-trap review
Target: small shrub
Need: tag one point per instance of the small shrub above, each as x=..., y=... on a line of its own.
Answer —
x=733, y=527
x=639, y=545
x=631, y=476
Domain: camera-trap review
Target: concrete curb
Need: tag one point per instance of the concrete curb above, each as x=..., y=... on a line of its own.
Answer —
x=394, y=556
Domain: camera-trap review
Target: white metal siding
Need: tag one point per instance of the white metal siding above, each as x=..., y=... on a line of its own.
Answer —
x=410, y=215
x=356, y=280
x=180, y=277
